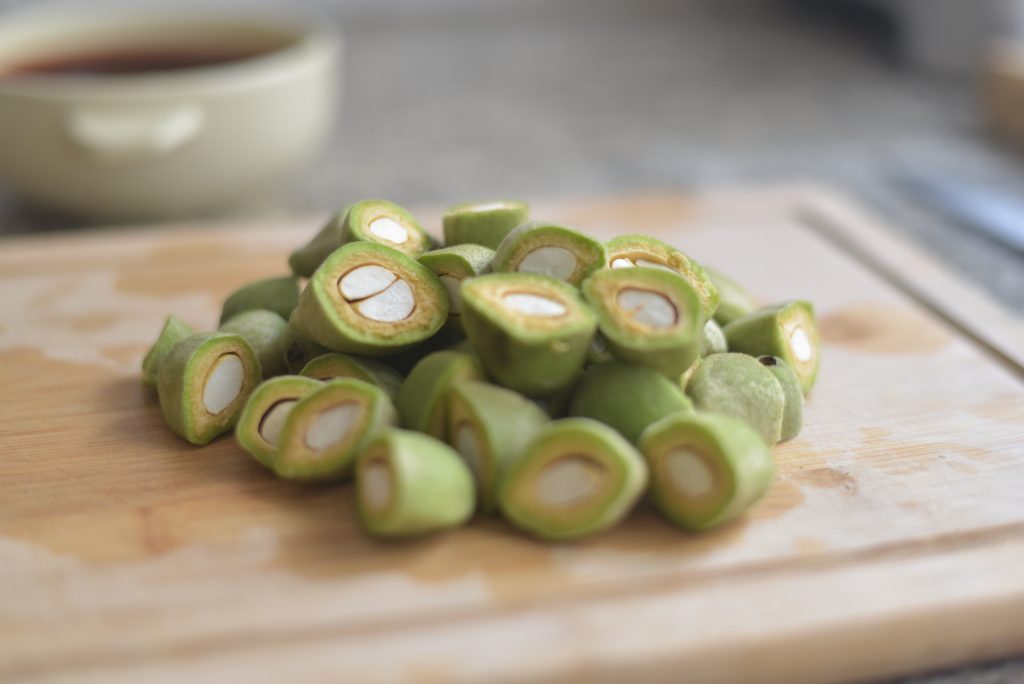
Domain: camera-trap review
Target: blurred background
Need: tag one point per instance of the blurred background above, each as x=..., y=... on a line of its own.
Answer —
x=889, y=100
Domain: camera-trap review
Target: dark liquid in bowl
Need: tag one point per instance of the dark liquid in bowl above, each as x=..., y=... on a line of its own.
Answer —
x=126, y=63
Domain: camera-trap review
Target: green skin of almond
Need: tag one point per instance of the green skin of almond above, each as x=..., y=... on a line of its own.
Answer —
x=669, y=351
x=331, y=366
x=423, y=398
x=655, y=250
x=742, y=460
x=590, y=253
x=174, y=331
x=306, y=259
x=356, y=226
x=713, y=339
x=487, y=227
x=461, y=262
x=733, y=300
x=763, y=333
x=181, y=380
x=503, y=422
x=572, y=436
x=627, y=397
x=432, y=488
x=279, y=295
x=737, y=385
x=295, y=461
x=793, y=414
x=298, y=351
x=317, y=317
x=265, y=331
x=537, y=363
x=262, y=399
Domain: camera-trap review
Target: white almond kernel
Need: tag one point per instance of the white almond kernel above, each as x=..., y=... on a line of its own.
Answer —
x=387, y=228
x=394, y=304
x=530, y=304
x=647, y=307
x=568, y=481
x=467, y=443
x=375, y=484
x=556, y=262
x=224, y=383
x=365, y=281
x=273, y=420
x=333, y=425
x=801, y=344
x=452, y=285
x=688, y=472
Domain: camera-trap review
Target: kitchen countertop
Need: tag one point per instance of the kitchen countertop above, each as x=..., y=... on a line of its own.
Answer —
x=536, y=100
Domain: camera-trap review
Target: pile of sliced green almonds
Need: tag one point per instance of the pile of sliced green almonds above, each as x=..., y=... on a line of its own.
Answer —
x=524, y=369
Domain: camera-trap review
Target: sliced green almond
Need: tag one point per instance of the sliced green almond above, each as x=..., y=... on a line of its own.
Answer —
x=737, y=385
x=333, y=366
x=733, y=300
x=306, y=259
x=325, y=430
x=793, y=412
x=279, y=295
x=387, y=224
x=712, y=339
x=705, y=468
x=259, y=426
x=549, y=250
x=483, y=223
x=423, y=398
x=576, y=478
x=203, y=383
x=647, y=316
x=409, y=484
x=371, y=300
x=453, y=265
x=266, y=333
x=174, y=331
x=299, y=351
x=787, y=330
x=631, y=251
x=490, y=426
x=531, y=332
x=627, y=397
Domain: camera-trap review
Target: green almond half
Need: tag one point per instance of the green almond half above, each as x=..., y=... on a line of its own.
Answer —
x=423, y=398
x=279, y=295
x=410, y=484
x=174, y=330
x=385, y=223
x=490, y=426
x=306, y=259
x=203, y=383
x=483, y=223
x=631, y=251
x=259, y=426
x=738, y=385
x=647, y=316
x=326, y=429
x=267, y=334
x=549, y=250
x=530, y=332
x=733, y=299
x=371, y=300
x=576, y=478
x=627, y=397
x=452, y=265
x=793, y=411
x=334, y=366
x=788, y=330
x=705, y=468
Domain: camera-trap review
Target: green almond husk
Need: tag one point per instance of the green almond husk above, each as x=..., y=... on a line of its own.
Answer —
x=737, y=468
x=279, y=295
x=595, y=448
x=283, y=392
x=483, y=223
x=793, y=412
x=299, y=351
x=333, y=366
x=627, y=397
x=649, y=252
x=520, y=242
x=537, y=356
x=181, y=382
x=733, y=299
x=297, y=459
x=423, y=398
x=490, y=426
x=266, y=333
x=738, y=385
x=431, y=488
x=173, y=331
x=323, y=316
x=771, y=332
x=306, y=259
x=712, y=339
x=453, y=265
x=669, y=350
x=359, y=220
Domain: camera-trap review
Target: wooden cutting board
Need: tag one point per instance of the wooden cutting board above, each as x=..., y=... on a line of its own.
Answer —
x=892, y=540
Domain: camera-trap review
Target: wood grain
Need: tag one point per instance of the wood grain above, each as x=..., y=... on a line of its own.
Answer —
x=891, y=541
